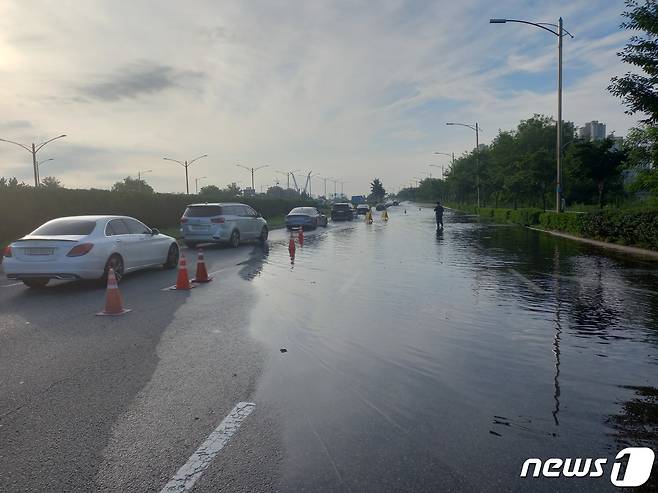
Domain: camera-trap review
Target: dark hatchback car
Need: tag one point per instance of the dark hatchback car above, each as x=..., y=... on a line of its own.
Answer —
x=342, y=212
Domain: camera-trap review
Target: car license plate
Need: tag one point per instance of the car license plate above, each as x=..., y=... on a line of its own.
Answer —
x=39, y=251
x=198, y=228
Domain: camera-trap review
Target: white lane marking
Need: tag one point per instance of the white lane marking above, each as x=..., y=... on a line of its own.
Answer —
x=532, y=285
x=11, y=285
x=200, y=460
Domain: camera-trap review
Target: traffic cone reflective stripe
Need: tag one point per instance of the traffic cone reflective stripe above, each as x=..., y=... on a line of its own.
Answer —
x=300, y=237
x=201, y=272
x=182, y=280
x=113, y=301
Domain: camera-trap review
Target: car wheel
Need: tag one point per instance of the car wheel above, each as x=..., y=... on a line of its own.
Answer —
x=115, y=262
x=36, y=283
x=191, y=244
x=172, y=257
x=235, y=238
x=263, y=234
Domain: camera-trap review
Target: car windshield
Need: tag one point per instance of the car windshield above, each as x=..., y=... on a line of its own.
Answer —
x=65, y=227
x=203, y=211
x=303, y=210
x=341, y=206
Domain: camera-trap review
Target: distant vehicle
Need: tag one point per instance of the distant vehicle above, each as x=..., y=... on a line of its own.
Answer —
x=86, y=247
x=362, y=209
x=343, y=211
x=396, y=203
x=222, y=223
x=358, y=199
x=307, y=217
x=380, y=207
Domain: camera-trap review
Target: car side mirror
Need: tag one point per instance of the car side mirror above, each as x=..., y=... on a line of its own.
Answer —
x=155, y=231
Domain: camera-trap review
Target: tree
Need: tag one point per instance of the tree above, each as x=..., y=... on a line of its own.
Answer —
x=209, y=190
x=636, y=90
x=377, y=189
x=12, y=183
x=132, y=185
x=51, y=182
x=233, y=189
x=595, y=168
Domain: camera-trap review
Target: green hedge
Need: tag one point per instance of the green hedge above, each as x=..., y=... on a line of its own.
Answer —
x=25, y=209
x=568, y=222
x=637, y=227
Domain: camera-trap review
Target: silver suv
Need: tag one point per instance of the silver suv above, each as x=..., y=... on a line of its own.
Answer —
x=222, y=223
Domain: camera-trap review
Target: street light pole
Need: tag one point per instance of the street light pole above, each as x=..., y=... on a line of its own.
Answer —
x=33, y=149
x=476, y=128
x=39, y=163
x=139, y=178
x=252, y=170
x=196, y=183
x=560, y=33
x=558, y=188
x=186, y=165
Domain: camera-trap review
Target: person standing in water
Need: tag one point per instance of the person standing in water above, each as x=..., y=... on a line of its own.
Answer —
x=438, y=210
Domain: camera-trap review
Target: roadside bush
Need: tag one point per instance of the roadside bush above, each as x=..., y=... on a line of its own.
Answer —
x=568, y=222
x=525, y=216
x=486, y=212
x=23, y=210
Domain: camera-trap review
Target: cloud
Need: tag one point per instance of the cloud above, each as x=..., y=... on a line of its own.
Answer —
x=138, y=79
x=15, y=125
x=337, y=86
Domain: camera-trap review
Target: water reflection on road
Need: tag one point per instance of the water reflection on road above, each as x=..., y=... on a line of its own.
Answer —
x=424, y=360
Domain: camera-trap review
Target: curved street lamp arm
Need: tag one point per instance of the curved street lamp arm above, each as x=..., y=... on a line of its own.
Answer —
x=502, y=21
x=197, y=158
x=48, y=141
x=244, y=167
x=465, y=125
x=16, y=143
x=174, y=161
x=261, y=167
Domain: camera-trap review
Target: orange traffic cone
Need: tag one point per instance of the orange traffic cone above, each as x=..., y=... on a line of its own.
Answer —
x=182, y=281
x=113, y=301
x=201, y=272
x=300, y=237
x=291, y=245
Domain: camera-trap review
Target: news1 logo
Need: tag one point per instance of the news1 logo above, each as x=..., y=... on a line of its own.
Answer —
x=638, y=460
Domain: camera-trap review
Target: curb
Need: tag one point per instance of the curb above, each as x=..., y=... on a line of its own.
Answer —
x=642, y=252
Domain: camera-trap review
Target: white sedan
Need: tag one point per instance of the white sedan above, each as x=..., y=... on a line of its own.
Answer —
x=85, y=247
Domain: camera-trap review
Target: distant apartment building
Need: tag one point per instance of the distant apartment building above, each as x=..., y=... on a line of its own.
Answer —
x=592, y=131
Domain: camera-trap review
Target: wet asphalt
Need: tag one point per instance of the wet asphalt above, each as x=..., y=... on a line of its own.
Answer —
x=412, y=361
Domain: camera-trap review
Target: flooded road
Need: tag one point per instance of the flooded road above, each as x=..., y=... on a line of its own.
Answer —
x=402, y=359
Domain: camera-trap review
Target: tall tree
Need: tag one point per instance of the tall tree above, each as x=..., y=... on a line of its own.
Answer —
x=51, y=182
x=210, y=190
x=639, y=91
x=597, y=165
x=377, y=189
x=130, y=184
x=233, y=189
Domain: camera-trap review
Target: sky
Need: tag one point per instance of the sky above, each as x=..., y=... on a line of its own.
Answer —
x=350, y=90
